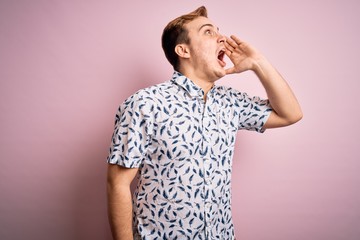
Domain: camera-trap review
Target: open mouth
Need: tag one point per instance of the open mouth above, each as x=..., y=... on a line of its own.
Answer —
x=220, y=57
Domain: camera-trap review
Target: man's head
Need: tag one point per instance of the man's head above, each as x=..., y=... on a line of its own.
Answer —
x=193, y=45
x=176, y=33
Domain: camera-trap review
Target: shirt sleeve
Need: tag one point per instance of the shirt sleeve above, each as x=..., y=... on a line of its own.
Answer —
x=254, y=112
x=132, y=132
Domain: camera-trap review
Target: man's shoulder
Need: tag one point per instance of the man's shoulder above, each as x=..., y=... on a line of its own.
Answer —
x=152, y=92
x=148, y=95
x=154, y=89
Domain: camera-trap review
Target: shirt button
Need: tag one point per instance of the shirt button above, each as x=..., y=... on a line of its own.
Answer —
x=208, y=181
x=207, y=205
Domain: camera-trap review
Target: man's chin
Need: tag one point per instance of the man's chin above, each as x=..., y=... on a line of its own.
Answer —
x=220, y=73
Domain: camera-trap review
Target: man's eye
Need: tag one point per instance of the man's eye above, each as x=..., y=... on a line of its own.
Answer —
x=209, y=32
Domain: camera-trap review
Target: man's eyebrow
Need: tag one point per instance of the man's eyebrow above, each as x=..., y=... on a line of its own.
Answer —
x=207, y=25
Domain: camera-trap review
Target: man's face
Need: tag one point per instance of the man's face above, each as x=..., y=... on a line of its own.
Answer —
x=207, y=49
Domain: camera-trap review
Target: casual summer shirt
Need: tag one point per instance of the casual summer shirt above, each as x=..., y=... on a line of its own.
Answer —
x=183, y=147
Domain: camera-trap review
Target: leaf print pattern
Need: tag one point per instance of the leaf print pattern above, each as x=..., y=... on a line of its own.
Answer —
x=183, y=147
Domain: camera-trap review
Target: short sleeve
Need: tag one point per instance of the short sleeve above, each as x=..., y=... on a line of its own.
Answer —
x=254, y=112
x=132, y=133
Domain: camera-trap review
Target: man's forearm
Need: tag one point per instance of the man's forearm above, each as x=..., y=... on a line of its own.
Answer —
x=281, y=97
x=120, y=212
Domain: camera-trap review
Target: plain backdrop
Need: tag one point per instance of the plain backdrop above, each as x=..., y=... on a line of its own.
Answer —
x=66, y=65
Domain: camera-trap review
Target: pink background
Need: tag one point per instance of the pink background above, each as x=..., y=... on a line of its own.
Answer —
x=65, y=66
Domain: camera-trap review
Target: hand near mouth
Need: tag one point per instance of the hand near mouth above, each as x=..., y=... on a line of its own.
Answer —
x=242, y=55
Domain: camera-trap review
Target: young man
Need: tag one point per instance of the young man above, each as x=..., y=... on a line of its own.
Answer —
x=179, y=136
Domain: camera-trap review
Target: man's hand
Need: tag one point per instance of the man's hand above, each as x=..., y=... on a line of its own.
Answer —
x=241, y=54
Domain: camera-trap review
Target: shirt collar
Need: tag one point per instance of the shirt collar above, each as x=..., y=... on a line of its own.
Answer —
x=188, y=85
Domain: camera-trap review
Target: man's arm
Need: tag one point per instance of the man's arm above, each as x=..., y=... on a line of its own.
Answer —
x=286, y=109
x=119, y=201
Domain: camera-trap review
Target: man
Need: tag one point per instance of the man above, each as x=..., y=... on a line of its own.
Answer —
x=179, y=136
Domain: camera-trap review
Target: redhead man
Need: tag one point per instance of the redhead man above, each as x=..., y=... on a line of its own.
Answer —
x=178, y=136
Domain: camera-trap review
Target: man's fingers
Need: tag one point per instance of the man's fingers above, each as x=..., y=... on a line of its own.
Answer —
x=236, y=39
x=230, y=42
x=229, y=47
x=228, y=52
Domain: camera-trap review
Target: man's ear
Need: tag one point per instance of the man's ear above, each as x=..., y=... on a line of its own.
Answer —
x=182, y=51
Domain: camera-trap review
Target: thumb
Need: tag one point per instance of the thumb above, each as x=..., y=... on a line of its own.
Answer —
x=230, y=70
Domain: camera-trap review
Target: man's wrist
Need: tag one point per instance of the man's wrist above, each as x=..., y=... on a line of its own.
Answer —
x=259, y=63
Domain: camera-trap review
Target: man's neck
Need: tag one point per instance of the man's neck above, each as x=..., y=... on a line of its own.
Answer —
x=204, y=84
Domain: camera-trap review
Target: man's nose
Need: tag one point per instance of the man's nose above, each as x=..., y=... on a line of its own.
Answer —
x=221, y=38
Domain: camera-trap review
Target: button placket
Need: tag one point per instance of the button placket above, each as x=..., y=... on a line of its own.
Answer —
x=207, y=168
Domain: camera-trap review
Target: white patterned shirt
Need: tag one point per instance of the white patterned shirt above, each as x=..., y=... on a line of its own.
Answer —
x=183, y=147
